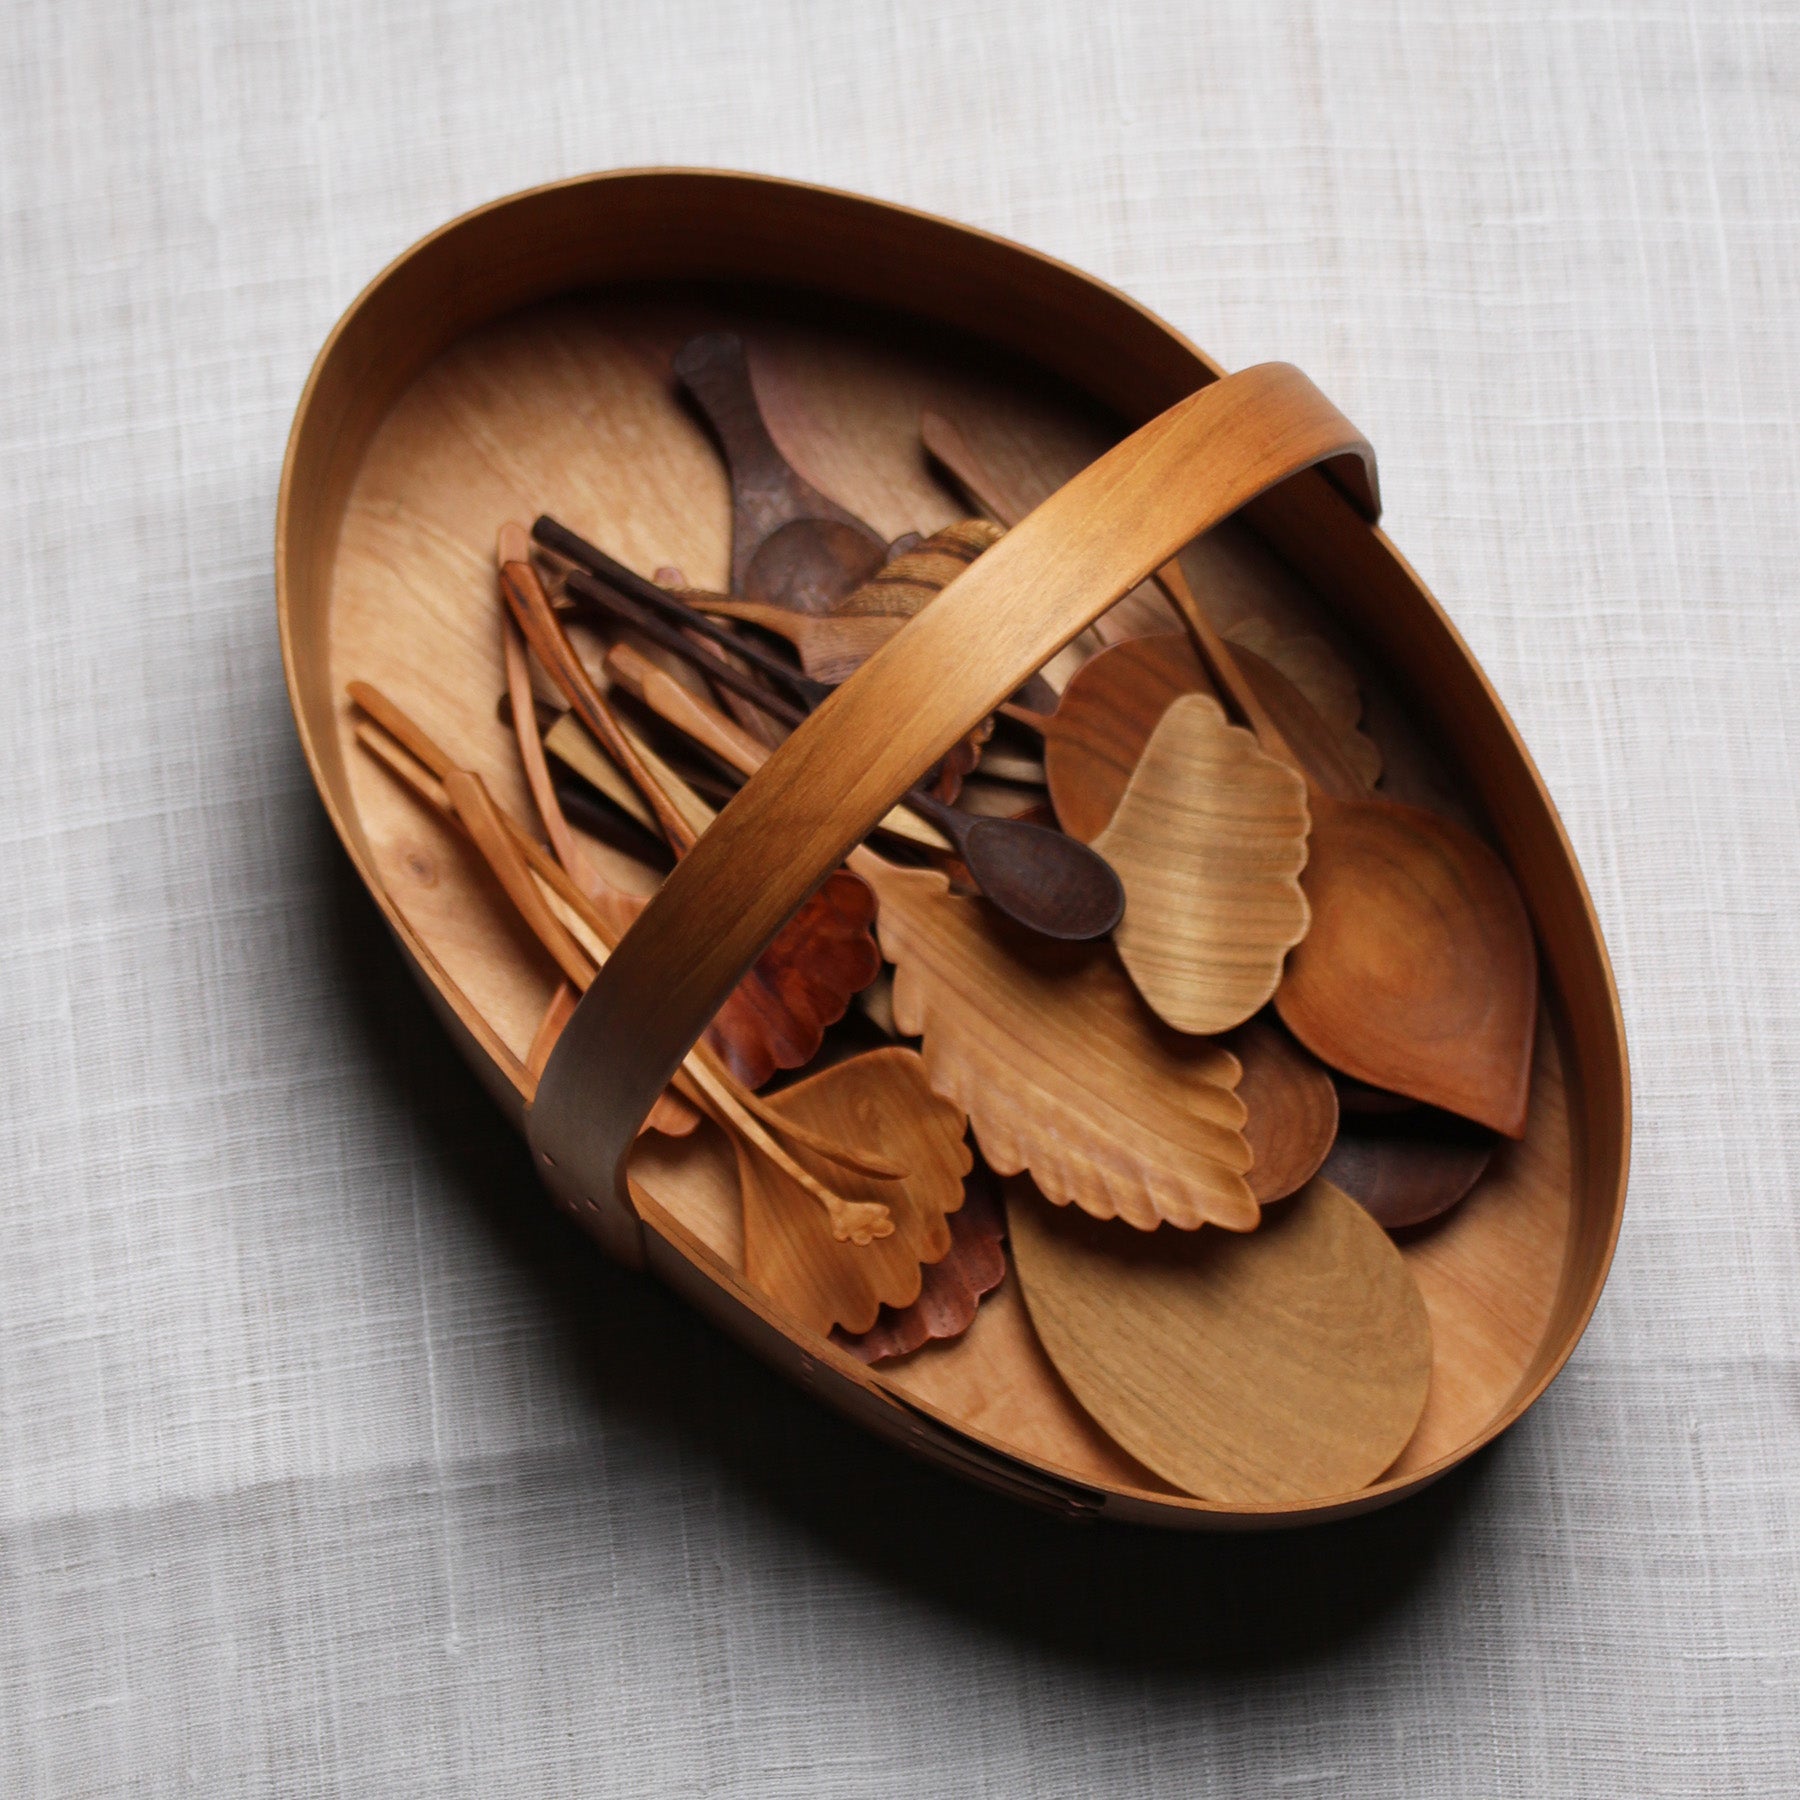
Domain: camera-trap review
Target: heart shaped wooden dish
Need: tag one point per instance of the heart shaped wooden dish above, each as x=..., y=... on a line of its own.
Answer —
x=517, y=361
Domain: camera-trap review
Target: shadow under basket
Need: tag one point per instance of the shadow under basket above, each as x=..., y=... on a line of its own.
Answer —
x=517, y=362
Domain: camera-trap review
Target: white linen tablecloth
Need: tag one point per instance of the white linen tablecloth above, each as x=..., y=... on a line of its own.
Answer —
x=330, y=1462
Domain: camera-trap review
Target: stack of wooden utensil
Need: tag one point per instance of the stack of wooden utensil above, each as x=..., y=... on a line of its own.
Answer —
x=1182, y=1009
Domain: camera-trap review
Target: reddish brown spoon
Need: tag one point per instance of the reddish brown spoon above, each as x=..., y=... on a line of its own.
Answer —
x=791, y=546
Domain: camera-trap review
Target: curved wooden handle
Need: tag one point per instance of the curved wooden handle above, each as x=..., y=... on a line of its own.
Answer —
x=826, y=786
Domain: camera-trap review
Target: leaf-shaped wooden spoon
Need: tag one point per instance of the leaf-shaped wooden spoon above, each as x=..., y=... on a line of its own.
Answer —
x=1096, y=736
x=790, y=1251
x=1059, y=1065
x=791, y=546
x=953, y=1287
x=1419, y=972
x=1209, y=841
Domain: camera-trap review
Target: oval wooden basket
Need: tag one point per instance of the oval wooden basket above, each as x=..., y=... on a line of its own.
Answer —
x=517, y=361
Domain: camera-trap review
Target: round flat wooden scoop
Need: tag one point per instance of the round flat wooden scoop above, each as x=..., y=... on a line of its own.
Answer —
x=1418, y=972
x=1290, y=1363
x=791, y=545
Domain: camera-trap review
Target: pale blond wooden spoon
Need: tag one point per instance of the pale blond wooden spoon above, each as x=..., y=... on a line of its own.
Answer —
x=1209, y=841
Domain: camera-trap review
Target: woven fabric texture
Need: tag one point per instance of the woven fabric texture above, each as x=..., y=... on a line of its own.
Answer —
x=330, y=1462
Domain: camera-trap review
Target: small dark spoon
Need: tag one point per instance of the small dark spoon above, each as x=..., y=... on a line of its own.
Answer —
x=1408, y=1167
x=790, y=545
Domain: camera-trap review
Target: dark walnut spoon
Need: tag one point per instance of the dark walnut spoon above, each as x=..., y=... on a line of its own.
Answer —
x=791, y=545
x=1046, y=881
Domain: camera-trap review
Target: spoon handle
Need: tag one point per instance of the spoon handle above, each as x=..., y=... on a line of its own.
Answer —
x=767, y=492
x=1223, y=667
x=947, y=447
x=950, y=449
x=713, y=666
x=725, y=738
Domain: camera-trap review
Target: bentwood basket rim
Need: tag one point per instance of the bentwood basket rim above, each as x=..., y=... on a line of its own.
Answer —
x=359, y=373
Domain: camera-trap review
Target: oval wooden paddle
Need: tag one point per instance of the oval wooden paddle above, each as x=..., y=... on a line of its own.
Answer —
x=791, y=546
x=1289, y=1364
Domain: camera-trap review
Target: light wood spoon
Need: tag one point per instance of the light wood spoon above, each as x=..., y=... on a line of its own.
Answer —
x=791, y=546
x=1208, y=840
x=1289, y=1364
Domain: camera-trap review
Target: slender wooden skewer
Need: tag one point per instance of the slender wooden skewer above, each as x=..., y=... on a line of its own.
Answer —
x=537, y=770
x=403, y=745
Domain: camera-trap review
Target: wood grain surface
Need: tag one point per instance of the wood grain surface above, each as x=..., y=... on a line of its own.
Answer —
x=1287, y=1365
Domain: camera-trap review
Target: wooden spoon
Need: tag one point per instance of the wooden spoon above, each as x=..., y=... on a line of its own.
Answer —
x=1290, y=1364
x=1047, y=1048
x=1410, y=1167
x=1208, y=841
x=820, y=1279
x=1292, y=1106
x=1096, y=736
x=953, y=1287
x=791, y=546
x=1418, y=973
